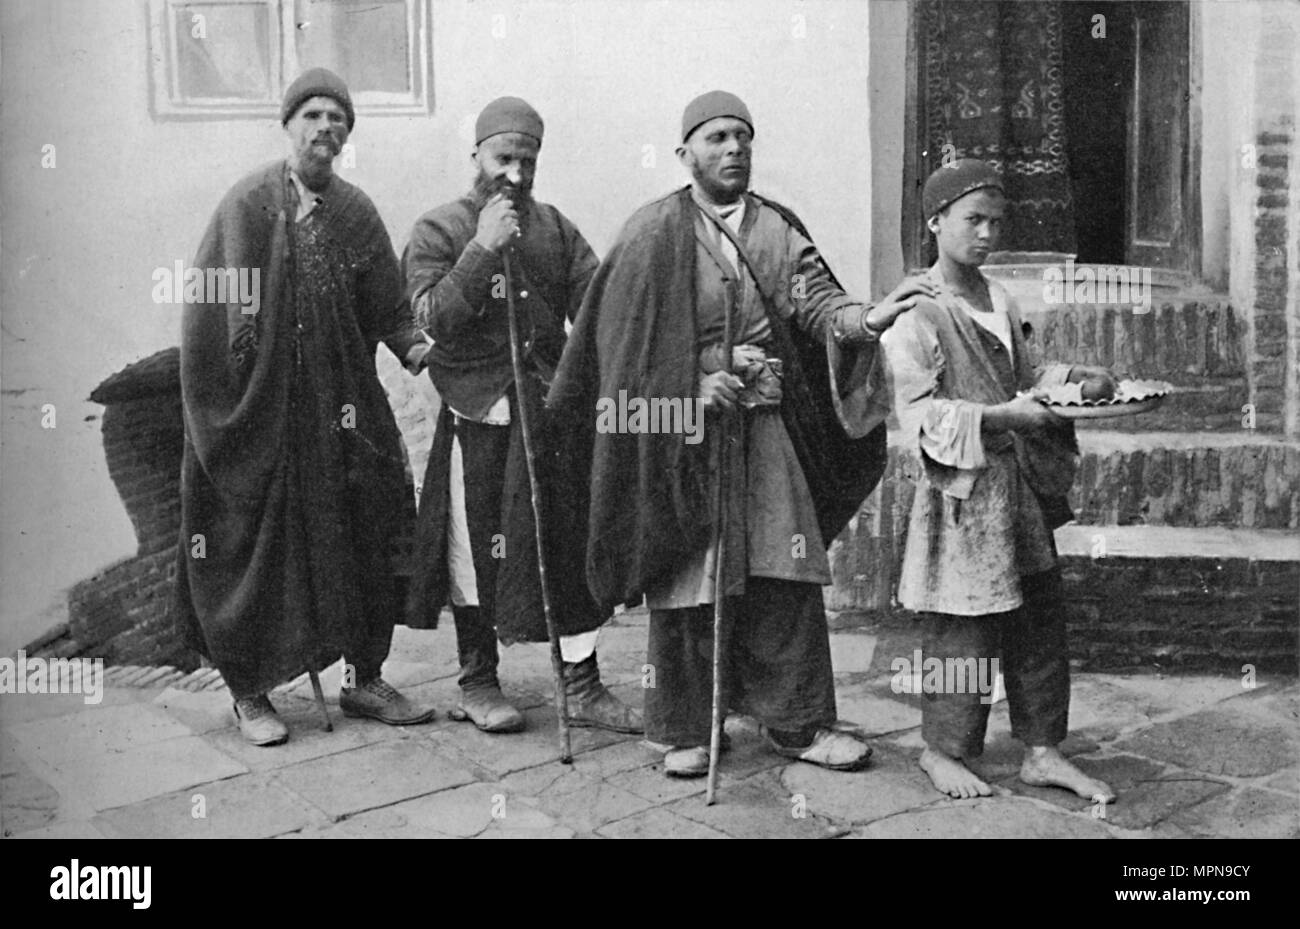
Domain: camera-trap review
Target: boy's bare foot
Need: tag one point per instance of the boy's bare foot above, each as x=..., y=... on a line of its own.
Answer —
x=1045, y=766
x=952, y=777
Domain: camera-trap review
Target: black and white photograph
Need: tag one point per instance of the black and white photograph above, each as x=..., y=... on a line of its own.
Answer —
x=652, y=419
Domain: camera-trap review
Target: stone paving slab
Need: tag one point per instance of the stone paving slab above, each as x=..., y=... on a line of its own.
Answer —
x=64, y=740
x=1287, y=781
x=199, y=711
x=19, y=708
x=657, y=823
x=985, y=818
x=461, y=812
x=66, y=829
x=1226, y=739
x=892, y=784
x=579, y=802
x=876, y=715
x=94, y=782
x=26, y=802
x=755, y=809
x=372, y=776
x=1248, y=813
x=252, y=806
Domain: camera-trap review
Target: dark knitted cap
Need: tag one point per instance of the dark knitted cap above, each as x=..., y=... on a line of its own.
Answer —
x=955, y=180
x=507, y=114
x=318, y=82
x=712, y=105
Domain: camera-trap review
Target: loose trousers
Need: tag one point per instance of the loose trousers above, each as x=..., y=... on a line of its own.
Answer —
x=1032, y=651
x=776, y=663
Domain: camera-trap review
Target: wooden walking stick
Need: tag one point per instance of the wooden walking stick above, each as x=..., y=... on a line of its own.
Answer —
x=320, y=700
x=719, y=563
x=557, y=661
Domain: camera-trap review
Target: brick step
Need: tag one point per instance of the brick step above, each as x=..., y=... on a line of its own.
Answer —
x=1170, y=597
x=1236, y=480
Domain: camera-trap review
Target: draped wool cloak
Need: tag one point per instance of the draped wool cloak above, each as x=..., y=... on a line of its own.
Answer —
x=293, y=492
x=652, y=507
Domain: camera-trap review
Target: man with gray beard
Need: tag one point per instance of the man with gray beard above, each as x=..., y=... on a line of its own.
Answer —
x=476, y=543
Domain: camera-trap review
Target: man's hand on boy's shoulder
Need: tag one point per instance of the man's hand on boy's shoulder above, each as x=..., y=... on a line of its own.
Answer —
x=899, y=300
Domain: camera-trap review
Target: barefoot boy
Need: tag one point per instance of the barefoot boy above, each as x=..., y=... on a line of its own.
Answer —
x=980, y=562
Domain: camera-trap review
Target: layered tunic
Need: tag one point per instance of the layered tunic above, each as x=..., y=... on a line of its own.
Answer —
x=293, y=485
x=458, y=290
x=986, y=505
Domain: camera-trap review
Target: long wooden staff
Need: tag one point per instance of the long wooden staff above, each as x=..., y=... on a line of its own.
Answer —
x=557, y=661
x=720, y=560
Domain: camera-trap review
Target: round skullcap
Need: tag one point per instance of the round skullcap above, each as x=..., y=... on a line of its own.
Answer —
x=951, y=182
x=318, y=82
x=507, y=114
x=712, y=105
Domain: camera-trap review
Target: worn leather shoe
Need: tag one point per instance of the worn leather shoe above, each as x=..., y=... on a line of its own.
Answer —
x=380, y=700
x=258, y=722
x=487, y=708
x=830, y=748
x=592, y=706
x=690, y=761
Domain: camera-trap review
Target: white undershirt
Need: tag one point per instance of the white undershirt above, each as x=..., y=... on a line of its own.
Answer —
x=998, y=322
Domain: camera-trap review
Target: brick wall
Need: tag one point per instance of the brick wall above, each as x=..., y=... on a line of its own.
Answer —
x=123, y=614
x=1274, y=327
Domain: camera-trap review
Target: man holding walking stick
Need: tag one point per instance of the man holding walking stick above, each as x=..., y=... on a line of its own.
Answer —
x=474, y=266
x=715, y=295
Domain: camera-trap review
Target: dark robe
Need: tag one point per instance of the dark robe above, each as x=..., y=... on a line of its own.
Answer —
x=470, y=365
x=293, y=471
x=652, y=506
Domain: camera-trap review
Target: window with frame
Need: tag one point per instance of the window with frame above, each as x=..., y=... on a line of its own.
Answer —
x=224, y=59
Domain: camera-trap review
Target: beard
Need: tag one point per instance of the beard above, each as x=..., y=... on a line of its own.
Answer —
x=485, y=188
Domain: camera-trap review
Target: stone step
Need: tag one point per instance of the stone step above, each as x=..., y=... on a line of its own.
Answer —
x=1236, y=480
x=1175, y=542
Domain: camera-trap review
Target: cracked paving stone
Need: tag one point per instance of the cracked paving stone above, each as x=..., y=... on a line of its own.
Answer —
x=372, y=776
x=658, y=824
x=1244, y=814
x=462, y=812
x=97, y=782
x=892, y=784
x=1288, y=781
x=201, y=711
x=252, y=806
x=986, y=818
x=27, y=801
x=579, y=802
x=756, y=809
x=1233, y=741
